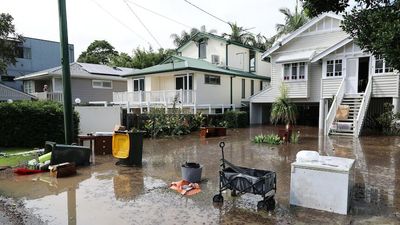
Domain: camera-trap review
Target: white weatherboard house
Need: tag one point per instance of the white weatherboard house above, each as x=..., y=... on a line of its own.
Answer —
x=321, y=64
x=208, y=73
x=89, y=82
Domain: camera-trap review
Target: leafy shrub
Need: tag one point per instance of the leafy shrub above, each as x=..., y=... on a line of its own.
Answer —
x=294, y=138
x=236, y=119
x=161, y=124
x=31, y=123
x=272, y=139
x=387, y=118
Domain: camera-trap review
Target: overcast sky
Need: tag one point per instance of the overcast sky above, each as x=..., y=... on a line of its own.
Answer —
x=88, y=20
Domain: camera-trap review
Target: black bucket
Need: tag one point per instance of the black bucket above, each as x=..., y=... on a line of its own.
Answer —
x=191, y=172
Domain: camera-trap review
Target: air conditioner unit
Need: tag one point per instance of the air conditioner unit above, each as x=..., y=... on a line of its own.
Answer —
x=215, y=59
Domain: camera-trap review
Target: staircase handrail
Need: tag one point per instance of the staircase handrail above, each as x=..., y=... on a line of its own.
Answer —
x=363, y=108
x=335, y=104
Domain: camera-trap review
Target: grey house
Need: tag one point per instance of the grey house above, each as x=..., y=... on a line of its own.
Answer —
x=11, y=94
x=89, y=82
x=34, y=55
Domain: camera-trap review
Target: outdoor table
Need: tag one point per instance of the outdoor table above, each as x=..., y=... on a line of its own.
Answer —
x=91, y=139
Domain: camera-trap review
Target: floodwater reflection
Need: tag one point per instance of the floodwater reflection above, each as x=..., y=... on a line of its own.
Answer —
x=107, y=194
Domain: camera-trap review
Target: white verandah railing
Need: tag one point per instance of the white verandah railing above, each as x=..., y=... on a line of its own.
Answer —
x=166, y=97
x=363, y=108
x=51, y=96
x=335, y=104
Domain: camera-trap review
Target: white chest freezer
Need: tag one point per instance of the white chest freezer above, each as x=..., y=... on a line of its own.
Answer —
x=324, y=184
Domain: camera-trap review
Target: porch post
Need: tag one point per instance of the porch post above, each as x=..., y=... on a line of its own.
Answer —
x=321, y=117
x=53, y=84
x=187, y=87
x=395, y=103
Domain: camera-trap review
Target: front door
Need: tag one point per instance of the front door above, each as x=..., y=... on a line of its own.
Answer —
x=363, y=74
x=352, y=76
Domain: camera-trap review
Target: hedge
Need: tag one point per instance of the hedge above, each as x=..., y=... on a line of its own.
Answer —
x=236, y=119
x=31, y=123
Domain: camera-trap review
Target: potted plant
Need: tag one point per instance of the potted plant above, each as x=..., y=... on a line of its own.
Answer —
x=283, y=110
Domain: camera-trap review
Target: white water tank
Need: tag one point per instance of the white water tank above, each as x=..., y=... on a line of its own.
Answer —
x=324, y=184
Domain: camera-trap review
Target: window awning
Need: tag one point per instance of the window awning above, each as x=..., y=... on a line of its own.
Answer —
x=303, y=56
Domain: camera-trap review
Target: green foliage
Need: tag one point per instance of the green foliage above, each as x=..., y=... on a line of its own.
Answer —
x=121, y=60
x=315, y=7
x=282, y=109
x=294, y=138
x=374, y=24
x=377, y=30
x=238, y=34
x=16, y=160
x=261, y=42
x=30, y=124
x=161, y=124
x=145, y=58
x=98, y=52
x=236, y=119
x=272, y=139
x=9, y=41
x=293, y=21
x=185, y=36
x=141, y=58
x=387, y=118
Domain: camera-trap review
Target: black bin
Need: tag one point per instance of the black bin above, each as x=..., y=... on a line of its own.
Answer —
x=70, y=153
x=135, y=149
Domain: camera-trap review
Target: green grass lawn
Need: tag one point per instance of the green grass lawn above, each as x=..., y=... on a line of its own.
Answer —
x=15, y=160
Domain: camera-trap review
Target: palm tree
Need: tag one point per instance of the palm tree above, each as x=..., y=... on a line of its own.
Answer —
x=261, y=42
x=185, y=36
x=293, y=21
x=282, y=109
x=238, y=34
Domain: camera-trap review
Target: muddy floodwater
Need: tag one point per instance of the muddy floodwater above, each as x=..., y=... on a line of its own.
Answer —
x=108, y=194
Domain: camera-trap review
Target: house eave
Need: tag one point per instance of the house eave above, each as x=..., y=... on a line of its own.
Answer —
x=200, y=70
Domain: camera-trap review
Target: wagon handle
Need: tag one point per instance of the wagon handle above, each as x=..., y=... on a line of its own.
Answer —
x=222, y=145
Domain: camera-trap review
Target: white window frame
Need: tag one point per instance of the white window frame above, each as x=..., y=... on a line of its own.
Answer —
x=138, y=82
x=29, y=86
x=325, y=68
x=297, y=65
x=376, y=58
x=215, y=59
x=102, y=84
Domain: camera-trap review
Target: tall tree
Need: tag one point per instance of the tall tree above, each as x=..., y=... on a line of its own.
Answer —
x=185, y=36
x=98, y=52
x=121, y=60
x=293, y=21
x=261, y=42
x=374, y=24
x=143, y=58
x=9, y=41
x=238, y=34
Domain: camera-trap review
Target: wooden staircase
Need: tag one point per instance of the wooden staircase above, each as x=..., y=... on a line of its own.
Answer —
x=354, y=103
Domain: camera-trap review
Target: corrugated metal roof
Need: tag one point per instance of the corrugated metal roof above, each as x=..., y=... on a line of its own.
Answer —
x=176, y=63
x=106, y=70
x=82, y=69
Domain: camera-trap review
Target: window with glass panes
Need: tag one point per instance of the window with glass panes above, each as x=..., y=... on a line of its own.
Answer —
x=294, y=71
x=334, y=68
